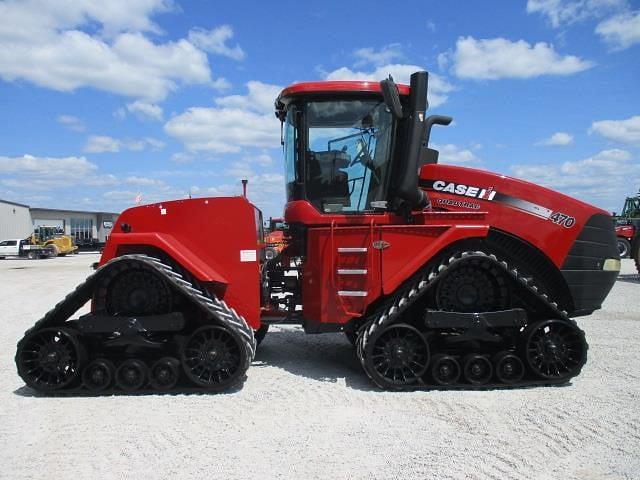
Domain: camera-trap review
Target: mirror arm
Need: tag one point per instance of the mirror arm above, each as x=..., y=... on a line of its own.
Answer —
x=434, y=120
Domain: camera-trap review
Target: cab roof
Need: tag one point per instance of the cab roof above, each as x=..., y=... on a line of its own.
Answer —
x=340, y=86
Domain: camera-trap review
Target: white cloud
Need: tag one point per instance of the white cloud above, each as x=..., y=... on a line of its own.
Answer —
x=453, y=155
x=265, y=190
x=599, y=179
x=264, y=160
x=623, y=131
x=215, y=41
x=71, y=122
x=261, y=98
x=564, y=12
x=101, y=144
x=143, y=181
x=491, y=59
x=99, y=45
x=105, y=143
x=145, y=110
x=128, y=196
x=181, y=157
x=621, y=31
x=384, y=56
x=239, y=170
x=557, y=139
x=438, y=86
x=40, y=173
x=239, y=121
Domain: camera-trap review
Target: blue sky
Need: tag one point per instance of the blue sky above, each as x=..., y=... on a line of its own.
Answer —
x=102, y=101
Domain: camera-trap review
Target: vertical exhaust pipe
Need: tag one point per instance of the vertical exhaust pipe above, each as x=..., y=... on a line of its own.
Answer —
x=244, y=187
x=408, y=188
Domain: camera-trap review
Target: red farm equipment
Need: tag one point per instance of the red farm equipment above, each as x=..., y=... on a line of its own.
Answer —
x=628, y=224
x=441, y=276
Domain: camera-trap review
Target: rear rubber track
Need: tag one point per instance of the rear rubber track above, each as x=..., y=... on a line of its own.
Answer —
x=216, y=312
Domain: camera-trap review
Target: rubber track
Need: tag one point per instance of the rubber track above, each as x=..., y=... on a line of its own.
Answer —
x=391, y=311
x=212, y=306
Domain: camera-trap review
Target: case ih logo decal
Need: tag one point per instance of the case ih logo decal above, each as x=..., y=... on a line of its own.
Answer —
x=461, y=189
x=488, y=193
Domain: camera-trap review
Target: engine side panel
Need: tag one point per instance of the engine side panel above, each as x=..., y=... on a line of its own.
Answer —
x=215, y=239
x=576, y=237
x=547, y=219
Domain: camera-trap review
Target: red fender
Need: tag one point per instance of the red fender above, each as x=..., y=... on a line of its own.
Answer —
x=204, y=272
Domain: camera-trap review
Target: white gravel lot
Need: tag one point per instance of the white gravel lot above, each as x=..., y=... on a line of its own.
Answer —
x=306, y=411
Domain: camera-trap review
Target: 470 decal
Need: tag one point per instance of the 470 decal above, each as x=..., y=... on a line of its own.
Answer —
x=562, y=219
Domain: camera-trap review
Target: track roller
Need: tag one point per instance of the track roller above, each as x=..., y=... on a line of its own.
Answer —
x=131, y=375
x=164, y=373
x=98, y=375
x=477, y=369
x=508, y=367
x=214, y=357
x=50, y=359
x=445, y=370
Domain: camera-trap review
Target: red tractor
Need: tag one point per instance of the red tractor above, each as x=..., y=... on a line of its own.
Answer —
x=441, y=276
x=274, y=238
x=627, y=224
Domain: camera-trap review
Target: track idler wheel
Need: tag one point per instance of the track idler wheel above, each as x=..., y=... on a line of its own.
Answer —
x=397, y=357
x=477, y=369
x=214, y=357
x=50, y=359
x=131, y=375
x=554, y=349
x=445, y=370
x=98, y=375
x=164, y=373
x=508, y=367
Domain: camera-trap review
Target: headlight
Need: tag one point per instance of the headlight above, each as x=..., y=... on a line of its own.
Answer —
x=611, y=265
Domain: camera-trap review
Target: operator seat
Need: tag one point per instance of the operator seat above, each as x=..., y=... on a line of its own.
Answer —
x=327, y=184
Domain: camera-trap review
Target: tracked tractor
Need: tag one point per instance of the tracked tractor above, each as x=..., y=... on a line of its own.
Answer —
x=441, y=276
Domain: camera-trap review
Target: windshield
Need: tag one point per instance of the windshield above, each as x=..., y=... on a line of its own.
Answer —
x=348, y=154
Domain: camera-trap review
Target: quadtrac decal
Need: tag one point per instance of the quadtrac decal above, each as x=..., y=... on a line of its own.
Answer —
x=492, y=195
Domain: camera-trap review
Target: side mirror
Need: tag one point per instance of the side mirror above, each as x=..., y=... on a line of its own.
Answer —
x=391, y=97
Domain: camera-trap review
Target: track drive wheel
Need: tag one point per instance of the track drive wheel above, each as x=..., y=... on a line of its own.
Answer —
x=138, y=291
x=554, y=349
x=131, y=375
x=472, y=286
x=98, y=375
x=214, y=357
x=50, y=359
x=445, y=370
x=164, y=373
x=396, y=357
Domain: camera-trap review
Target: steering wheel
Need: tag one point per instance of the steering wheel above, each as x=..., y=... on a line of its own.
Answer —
x=362, y=154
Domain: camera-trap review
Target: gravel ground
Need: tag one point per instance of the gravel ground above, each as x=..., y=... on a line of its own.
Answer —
x=306, y=411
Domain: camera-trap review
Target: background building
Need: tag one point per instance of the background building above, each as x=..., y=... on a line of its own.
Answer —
x=15, y=220
x=18, y=221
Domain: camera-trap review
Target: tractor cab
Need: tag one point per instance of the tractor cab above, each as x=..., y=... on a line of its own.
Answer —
x=355, y=147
